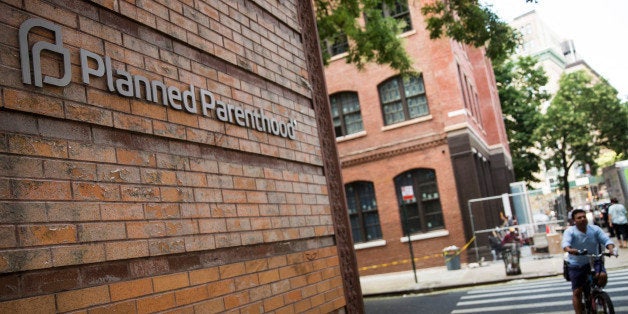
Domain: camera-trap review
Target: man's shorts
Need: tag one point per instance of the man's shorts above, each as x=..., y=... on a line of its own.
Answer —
x=579, y=275
x=621, y=231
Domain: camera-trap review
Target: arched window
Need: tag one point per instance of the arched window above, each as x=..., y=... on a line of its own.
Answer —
x=403, y=98
x=419, y=206
x=345, y=111
x=363, y=211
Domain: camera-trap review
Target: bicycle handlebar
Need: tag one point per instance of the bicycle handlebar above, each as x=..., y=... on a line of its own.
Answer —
x=586, y=252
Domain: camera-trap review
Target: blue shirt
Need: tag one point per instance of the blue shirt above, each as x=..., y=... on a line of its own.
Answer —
x=579, y=240
x=618, y=214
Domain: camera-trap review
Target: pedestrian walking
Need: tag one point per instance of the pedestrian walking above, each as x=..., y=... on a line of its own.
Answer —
x=618, y=220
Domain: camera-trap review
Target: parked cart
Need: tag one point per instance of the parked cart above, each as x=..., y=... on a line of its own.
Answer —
x=511, y=255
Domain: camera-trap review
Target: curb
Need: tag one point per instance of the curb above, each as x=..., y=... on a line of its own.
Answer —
x=456, y=286
x=470, y=284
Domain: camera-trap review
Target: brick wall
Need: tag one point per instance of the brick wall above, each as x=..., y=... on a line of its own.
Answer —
x=118, y=203
x=381, y=173
x=444, y=141
x=275, y=284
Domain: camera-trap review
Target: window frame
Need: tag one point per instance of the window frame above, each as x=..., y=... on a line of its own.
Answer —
x=342, y=115
x=403, y=98
x=360, y=213
x=426, y=195
x=339, y=40
x=401, y=15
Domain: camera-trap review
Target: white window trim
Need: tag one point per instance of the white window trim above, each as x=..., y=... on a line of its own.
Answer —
x=338, y=56
x=408, y=33
x=425, y=236
x=345, y=54
x=350, y=136
x=369, y=244
x=408, y=122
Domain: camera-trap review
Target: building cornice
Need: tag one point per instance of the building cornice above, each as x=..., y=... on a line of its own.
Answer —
x=392, y=150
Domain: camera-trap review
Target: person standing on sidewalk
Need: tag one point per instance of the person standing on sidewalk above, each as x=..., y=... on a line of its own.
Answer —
x=583, y=236
x=618, y=220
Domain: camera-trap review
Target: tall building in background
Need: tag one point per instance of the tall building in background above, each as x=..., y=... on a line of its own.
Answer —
x=415, y=150
x=557, y=56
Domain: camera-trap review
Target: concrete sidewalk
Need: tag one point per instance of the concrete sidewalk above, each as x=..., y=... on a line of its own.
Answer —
x=439, y=278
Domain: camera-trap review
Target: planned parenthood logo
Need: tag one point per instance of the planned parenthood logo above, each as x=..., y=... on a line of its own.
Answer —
x=136, y=86
x=37, y=50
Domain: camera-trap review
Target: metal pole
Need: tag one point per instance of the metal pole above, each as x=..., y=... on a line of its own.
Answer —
x=405, y=223
x=475, y=243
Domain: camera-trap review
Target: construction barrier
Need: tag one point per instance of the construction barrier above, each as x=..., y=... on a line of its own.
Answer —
x=406, y=261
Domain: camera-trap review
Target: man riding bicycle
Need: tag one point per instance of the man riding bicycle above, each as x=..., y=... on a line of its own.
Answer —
x=582, y=236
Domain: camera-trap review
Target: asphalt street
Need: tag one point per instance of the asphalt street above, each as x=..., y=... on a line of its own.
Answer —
x=545, y=295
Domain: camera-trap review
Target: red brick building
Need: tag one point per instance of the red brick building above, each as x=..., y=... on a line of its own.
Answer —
x=168, y=156
x=439, y=137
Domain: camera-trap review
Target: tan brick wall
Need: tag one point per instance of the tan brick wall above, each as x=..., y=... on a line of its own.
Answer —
x=112, y=203
x=307, y=282
x=157, y=199
x=275, y=85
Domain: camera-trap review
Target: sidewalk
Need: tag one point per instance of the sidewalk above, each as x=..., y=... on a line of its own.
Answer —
x=439, y=278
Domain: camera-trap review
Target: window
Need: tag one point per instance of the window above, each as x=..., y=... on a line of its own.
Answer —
x=336, y=45
x=422, y=211
x=345, y=111
x=463, y=87
x=403, y=98
x=476, y=103
x=363, y=211
x=399, y=12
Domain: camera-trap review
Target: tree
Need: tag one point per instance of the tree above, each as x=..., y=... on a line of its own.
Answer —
x=582, y=118
x=519, y=83
x=376, y=41
x=471, y=23
x=612, y=122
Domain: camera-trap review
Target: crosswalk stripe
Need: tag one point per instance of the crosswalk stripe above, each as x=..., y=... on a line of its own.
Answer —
x=613, y=279
x=519, y=298
x=517, y=290
x=619, y=309
x=510, y=307
x=530, y=306
x=499, y=294
x=535, y=296
x=528, y=296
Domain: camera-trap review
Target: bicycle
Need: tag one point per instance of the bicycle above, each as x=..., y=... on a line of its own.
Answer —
x=595, y=299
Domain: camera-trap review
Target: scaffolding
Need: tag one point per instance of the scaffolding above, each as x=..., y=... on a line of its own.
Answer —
x=543, y=213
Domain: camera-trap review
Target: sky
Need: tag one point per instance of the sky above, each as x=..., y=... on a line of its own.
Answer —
x=598, y=28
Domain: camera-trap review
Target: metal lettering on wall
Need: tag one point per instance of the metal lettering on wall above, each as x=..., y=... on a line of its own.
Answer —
x=129, y=85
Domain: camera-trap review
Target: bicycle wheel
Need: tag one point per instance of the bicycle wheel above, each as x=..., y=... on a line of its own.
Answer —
x=601, y=303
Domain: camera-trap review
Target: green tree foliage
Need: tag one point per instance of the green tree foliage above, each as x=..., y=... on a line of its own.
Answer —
x=376, y=41
x=520, y=83
x=471, y=23
x=582, y=118
x=611, y=122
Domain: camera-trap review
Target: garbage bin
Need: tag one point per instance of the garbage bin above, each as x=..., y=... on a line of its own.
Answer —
x=452, y=257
